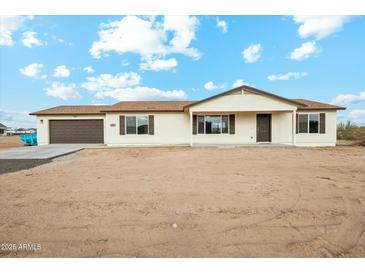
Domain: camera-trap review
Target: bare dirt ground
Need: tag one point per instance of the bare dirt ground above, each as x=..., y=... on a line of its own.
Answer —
x=183, y=202
x=7, y=142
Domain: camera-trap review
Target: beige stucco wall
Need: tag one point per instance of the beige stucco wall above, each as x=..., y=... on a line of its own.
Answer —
x=43, y=124
x=243, y=102
x=171, y=128
x=317, y=139
x=282, y=128
x=174, y=128
x=245, y=130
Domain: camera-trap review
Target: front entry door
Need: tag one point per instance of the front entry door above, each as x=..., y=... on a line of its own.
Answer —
x=263, y=131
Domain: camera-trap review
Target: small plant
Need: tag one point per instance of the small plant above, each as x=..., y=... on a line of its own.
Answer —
x=347, y=131
x=350, y=131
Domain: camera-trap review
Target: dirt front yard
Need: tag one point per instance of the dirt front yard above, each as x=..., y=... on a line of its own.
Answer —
x=7, y=142
x=183, y=202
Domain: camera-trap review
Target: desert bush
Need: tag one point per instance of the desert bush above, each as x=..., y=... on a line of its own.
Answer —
x=347, y=131
x=350, y=131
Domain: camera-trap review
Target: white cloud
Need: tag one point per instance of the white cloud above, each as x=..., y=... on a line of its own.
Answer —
x=349, y=98
x=88, y=69
x=147, y=37
x=61, y=72
x=287, y=76
x=357, y=114
x=108, y=82
x=238, y=83
x=252, y=53
x=8, y=25
x=210, y=86
x=223, y=25
x=30, y=39
x=158, y=64
x=127, y=86
x=319, y=26
x=32, y=70
x=130, y=34
x=63, y=91
x=59, y=40
x=183, y=28
x=304, y=51
x=17, y=119
x=144, y=93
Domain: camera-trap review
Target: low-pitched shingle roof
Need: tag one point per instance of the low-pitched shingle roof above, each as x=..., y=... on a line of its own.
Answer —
x=148, y=106
x=1, y=125
x=172, y=106
x=71, y=110
x=315, y=105
x=127, y=106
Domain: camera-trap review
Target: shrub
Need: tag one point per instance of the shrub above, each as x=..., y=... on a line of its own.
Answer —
x=347, y=131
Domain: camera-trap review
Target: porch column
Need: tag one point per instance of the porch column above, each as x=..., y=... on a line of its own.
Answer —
x=191, y=127
x=293, y=127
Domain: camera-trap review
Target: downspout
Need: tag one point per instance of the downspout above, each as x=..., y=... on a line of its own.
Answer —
x=191, y=127
x=293, y=127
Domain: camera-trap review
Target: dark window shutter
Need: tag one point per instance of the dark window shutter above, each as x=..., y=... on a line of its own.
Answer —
x=122, y=125
x=296, y=123
x=194, y=124
x=322, y=123
x=151, y=125
x=232, y=124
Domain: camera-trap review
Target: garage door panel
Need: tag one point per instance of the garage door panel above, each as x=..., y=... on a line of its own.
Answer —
x=76, y=131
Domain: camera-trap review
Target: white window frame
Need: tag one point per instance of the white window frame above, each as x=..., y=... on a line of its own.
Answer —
x=204, y=115
x=309, y=113
x=125, y=126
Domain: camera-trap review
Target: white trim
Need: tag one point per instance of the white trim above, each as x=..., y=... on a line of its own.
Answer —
x=136, y=116
x=294, y=125
x=204, y=115
x=309, y=113
x=191, y=127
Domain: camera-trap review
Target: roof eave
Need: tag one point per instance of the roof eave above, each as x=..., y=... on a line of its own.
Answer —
x=145, y=110
x=34, y=113
x=254, y=90
x=322, y=108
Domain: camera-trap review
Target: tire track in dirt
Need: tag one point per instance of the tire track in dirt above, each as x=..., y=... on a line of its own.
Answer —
x=276, y=216
x=338, y=242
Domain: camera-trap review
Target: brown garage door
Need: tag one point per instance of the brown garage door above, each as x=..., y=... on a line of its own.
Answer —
x=76, y=131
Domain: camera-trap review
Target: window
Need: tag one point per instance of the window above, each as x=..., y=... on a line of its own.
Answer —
x=131, y=124
x=308, y=123
x=213, y=124
x=142, y=123
x=200, y=124
x=313, y=123
x=137, y=125
x=303, y=123
x=224, y=123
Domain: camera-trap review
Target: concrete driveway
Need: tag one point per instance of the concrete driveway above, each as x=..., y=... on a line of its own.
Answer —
x=44, y=152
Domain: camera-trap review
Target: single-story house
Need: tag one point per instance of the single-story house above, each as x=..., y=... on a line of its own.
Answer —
x=243, y=115
x=3, y=129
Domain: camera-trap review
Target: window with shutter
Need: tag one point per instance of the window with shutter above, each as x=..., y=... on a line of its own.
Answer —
x=194, y=124
x=122, y=125
x=151, y=127
x=232, y=124
x=322, y=123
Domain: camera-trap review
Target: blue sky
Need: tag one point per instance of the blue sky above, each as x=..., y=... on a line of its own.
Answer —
x=57, y=60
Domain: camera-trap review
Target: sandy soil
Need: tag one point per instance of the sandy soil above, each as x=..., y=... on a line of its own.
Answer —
x=7, y=142
x=183, y=202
